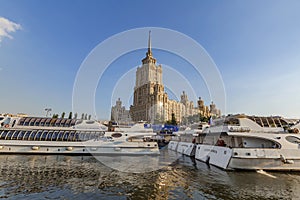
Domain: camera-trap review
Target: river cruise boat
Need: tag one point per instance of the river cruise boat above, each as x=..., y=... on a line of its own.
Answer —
x=240, y=142
x=40, y=135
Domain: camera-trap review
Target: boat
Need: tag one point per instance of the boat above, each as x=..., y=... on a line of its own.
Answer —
x=241, y=142
x=42, y=135
x=184, y=141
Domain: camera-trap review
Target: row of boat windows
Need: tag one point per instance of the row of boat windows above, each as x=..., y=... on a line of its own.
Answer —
x=48, y=135
x=37, y=121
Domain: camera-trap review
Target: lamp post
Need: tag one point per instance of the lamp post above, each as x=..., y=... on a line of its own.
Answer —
x=47, y=111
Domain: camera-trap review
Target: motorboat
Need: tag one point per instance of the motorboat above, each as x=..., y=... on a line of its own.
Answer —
x=42, y=135
x=184, y=141
x=241, y=142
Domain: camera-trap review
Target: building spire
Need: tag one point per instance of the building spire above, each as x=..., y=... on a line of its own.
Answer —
x=149, y=44
x=149, y=58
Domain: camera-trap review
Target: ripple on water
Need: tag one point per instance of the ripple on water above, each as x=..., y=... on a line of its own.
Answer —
x=65, y=177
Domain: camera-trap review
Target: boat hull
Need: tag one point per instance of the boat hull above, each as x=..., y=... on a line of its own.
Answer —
x=186, y=148
x=78, y=148
x=249, y=159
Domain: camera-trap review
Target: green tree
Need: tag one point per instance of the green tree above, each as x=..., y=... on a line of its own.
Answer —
x=70, y=115
x=82, y=116
x=63, y=115
x=55, y=116
x=89, y=117
x=75, y=116
x=173, y=120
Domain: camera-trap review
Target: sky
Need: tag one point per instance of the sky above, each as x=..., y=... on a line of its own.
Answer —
x=255, y=46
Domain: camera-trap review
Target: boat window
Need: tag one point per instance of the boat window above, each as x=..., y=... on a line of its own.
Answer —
x=68, y=121
x=26, y=123
x=49, y=135
x=90, y=122
x=9, y=134
x=71, y=135
x=1, y=118
x=293, y=139
x=116, y=135
x=38, y=135
x=21, y=121
x=73, y=122
x=44, y=136
x=54, y=136
x=65, y=136
x=26, y=135
x=37, y=122
x=52, y=121
x=47, y=123
x=42, y=123
x=87, y=136
x=77, y=135
x=62, y=123
x=60, y=136
x=31, y=123
x=21, y=135
x=82, y=135
x=92, y=135
x=3, y=134
x=57, y=122
x=79, y=122
x=15, y=135
x=32, y=135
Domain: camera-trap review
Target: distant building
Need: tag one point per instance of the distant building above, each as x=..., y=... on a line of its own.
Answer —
x=119, y=113
x=151, y=102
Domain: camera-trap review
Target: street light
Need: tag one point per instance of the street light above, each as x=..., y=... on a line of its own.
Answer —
x=47, y=111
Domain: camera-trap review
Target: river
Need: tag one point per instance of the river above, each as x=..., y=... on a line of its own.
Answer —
x=84, y=177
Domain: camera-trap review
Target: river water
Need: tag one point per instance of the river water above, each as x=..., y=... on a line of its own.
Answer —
x=84, y=177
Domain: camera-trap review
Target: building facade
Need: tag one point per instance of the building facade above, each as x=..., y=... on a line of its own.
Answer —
x=151, y=102
x=119, y=113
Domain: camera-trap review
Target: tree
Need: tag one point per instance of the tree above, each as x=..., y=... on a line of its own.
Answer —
x=70, y=115
x=63, y=115
x=172, y=121
x=75, y=116
x=82, y=116
x=90, y=117
x=55, y=116
x=85, y=116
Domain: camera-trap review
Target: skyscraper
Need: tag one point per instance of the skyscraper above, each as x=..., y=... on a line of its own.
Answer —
x=151, y=102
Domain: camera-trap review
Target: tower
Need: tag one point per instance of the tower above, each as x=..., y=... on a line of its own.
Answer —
x=149, y=97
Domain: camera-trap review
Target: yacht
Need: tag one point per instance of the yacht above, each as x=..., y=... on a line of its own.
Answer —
x=184, y=141
x=42, y=135
x=241, y=142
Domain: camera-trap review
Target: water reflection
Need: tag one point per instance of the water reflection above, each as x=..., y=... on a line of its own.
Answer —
x=66, y=177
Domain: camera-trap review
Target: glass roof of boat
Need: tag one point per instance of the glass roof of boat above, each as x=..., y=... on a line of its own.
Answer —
x=43, y=121
x=272, y=121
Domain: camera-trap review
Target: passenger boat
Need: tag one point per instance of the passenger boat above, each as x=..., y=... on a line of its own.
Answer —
x=40, y=135
x=241, y=142
x=184, y=141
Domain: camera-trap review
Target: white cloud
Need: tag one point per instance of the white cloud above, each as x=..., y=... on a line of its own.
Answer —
x=7, y=27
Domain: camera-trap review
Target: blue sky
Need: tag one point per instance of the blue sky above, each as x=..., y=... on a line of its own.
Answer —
x=255, y=45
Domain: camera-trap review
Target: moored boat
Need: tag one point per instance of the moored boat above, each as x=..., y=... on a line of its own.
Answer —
x=241, y=142
x=40, y=135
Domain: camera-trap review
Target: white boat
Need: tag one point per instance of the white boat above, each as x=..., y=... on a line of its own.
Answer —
x=243, y=142
x=185, y=141
x=38, y=135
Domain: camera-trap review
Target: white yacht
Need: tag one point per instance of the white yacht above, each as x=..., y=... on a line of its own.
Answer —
x=40, y=135
x=241, y=142
x=184, y=141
